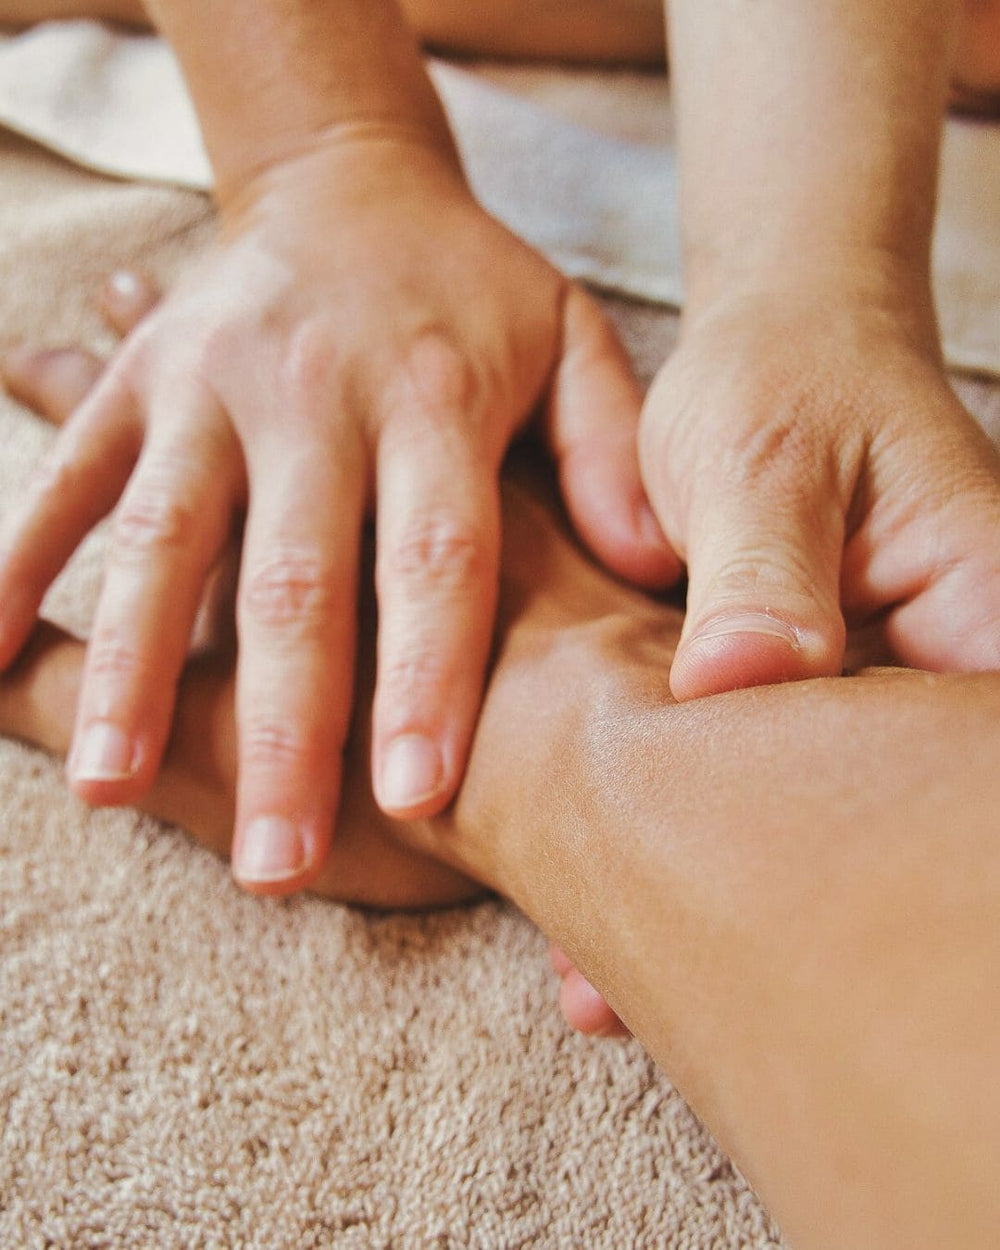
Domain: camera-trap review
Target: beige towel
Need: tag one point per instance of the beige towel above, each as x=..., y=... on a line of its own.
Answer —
x=598, y=198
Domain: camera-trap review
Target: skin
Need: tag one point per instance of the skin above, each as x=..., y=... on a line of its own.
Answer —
x=790, y=894
x=802, y=447
x=332, y=375
x=802, y=451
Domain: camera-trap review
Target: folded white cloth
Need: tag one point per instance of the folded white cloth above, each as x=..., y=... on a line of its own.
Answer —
x=601, y=205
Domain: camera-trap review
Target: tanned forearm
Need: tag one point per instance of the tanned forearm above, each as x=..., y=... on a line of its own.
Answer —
x=273, y=80
x=789, y=894
x=808, y=133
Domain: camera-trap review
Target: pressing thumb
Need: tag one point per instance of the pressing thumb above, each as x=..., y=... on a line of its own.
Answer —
x=763, y=600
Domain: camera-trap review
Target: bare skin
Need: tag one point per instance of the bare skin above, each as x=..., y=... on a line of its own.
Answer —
x=791, y=894
x=802, y=451
x=352, y=379
x=590, y=32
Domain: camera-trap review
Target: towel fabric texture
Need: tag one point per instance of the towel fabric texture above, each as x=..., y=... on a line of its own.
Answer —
x=182, y=1065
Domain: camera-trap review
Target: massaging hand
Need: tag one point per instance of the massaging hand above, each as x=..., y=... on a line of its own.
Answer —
x=368, y=862
x=363, y=337
x=551, y=599
x=808, y=460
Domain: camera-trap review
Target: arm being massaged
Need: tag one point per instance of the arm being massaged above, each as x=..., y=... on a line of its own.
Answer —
x=363, y=337
x=790, y=894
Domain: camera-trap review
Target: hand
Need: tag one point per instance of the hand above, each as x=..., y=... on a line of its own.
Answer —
x=374, y=861
x=361, y=336
x=808, y=459
x=551, y=598
x=368, y=864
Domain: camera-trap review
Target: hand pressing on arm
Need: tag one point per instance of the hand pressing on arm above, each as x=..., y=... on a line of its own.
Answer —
x=195, y=787
x=802, y=448
x=361, y=338
x=790, y=894
x=545, y=588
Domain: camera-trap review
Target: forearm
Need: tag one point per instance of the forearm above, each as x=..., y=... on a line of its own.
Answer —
x=808, y=133
x=790, y=895
x=272, y=81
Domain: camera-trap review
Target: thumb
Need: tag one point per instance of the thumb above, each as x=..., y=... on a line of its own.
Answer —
x=763, y=600
x=591, y=426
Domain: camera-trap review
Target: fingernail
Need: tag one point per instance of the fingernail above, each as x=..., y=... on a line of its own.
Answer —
x=104, y=753
x=271, y=849
x=749, y=623
x=412, y=771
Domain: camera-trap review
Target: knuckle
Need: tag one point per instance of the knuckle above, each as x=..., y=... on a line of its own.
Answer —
x=436, y=387
x=771, y=427
x=440, y=554
x=291, y=590
x=111, y=657
x=438, y=373
x=308, y=368
x=762, y=454
x=782, y=579
x=413, y=669
x=216, y=352
x=278, y=741
x=153, y=518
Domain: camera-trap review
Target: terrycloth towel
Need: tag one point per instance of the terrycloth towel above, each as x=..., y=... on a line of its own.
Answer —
x=601, y=205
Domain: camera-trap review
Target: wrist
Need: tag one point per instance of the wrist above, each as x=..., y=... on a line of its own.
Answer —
x=345, y=138
x=294, y=73
x=894, y=290
x=340, y=172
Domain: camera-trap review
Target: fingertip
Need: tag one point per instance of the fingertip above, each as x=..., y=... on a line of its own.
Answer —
x=654, y=563
x=127, y=296
x=410, y=777
x=559, y=960
x=615, y=520
x=592, y=427
x=275, y=855
x=109, y=767
x=585, y=1009
x=747, y=649
x=50, y=381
